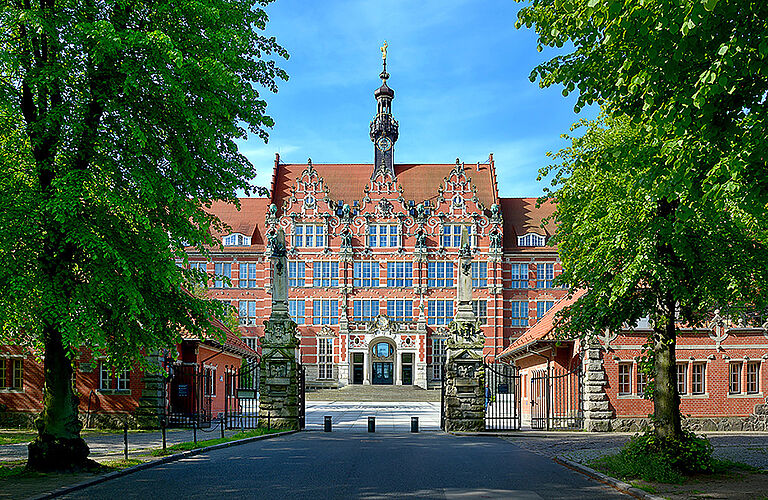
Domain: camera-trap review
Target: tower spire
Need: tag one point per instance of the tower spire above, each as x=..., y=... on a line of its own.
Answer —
x=384, y=128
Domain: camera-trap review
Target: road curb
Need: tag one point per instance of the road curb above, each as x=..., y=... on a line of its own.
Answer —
x=148, y=465
x=611, y=481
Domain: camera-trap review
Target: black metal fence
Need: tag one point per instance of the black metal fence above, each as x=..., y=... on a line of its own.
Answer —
x=190, y=392
x=556, y=399
x=241, y=403
x=502, y=397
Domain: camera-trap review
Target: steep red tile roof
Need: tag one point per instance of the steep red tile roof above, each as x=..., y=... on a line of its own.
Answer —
x=347, y=181
x=544, y=330
x=249, y=220
x=522, y=216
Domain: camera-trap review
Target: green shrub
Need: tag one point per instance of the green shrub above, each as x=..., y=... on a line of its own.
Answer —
x=664, y=460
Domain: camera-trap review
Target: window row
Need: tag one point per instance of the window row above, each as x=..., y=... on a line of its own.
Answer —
x=11, y=373
x=691, y=378
x=367, y=274
x=378, y=235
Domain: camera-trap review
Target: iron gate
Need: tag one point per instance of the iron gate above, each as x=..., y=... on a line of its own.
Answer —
x=502, y=397
x=190, y=395
x=241, y=403
x=556, y=399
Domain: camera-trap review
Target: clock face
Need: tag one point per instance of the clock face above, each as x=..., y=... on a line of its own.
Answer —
x=384, y=143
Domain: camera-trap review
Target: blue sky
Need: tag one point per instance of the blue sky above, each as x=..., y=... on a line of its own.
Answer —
x=460, y=74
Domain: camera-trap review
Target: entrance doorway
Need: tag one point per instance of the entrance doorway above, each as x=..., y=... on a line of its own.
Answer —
x=358, y=370
x=407, y=368
x=382, y=373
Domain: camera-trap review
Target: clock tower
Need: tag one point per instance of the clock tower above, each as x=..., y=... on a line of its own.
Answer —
x=384, y=127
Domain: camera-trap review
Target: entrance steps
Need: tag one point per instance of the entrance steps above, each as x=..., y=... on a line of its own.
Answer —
x=375, y=393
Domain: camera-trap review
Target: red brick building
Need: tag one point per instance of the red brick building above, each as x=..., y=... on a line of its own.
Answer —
x=373, y=253
x=722, y=373
x=110, y=398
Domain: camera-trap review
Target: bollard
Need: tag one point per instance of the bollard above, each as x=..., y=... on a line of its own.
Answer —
x=163, y=425
x=222, y=427
x=371, y=424
x=194, y=432
x=414, y=424
x=125, y=439
x=327, y=422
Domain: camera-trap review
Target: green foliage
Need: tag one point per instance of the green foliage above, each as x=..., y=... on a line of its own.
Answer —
x=191, y=445
x=664, y=460
x=694, y=73
x=118, y=127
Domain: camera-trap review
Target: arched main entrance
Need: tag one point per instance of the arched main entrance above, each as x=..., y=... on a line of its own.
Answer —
x=383, y=362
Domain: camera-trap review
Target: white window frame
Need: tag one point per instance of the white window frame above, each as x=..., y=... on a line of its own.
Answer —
x=297, y=273
x=440, y=274
x=753, y=379
x=642, y=382
x=625, y=379
x=480, y=274
x=17, y=374
x=325, y=273
x=734, y=377
x=105, y=382
x=523, y=310
x=451, y=235
x=439, y=312
x=309, y=236
x=480, y=308
x=545, y=273
x=4, y=373
x=399, y=274
x=123, y=380
x=297, y=310
x=247, y=275
x=698, y=380
x=396, y=306
x=531, y=240
x=389, y=239
x=325, y=312
x=325, y=358
x=438, y=358
x=542, y=307
x=520, y=275
x=681, y=378
x=366, y=274
x=236, y=240
x=246, y=313
x=369, y=306
x=222, y=269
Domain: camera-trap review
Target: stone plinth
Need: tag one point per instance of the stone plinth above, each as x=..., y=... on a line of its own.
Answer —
x=279, y=393
x=598, y=416
x=464, y=379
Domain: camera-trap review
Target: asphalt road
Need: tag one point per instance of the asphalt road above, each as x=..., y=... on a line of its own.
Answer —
x=316, y=465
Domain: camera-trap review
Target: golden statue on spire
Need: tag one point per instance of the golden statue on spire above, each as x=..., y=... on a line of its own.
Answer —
x=384, y=51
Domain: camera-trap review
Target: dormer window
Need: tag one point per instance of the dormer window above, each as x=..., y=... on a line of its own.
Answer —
x=531, y=240
x=237, y=240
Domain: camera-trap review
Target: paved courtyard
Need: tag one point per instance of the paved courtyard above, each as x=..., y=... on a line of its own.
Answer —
x=390, y=417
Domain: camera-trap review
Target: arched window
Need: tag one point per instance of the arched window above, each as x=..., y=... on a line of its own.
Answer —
x=531, y=240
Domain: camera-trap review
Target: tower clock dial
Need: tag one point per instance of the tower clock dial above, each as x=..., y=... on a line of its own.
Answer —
x=384, y=143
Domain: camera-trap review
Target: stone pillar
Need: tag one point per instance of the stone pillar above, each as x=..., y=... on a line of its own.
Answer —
x=151, y=408
x=597, y=412
x=464, y=372
x=366, y=368
x=279, y=398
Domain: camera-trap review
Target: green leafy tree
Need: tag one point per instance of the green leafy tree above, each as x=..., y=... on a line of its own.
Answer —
x=623, y=234
x=695, y=72
x=119, y=121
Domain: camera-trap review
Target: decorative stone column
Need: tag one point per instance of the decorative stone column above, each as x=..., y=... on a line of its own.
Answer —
x=151, y=408
x=279, y=397
x=597, y=412
x=464, y=373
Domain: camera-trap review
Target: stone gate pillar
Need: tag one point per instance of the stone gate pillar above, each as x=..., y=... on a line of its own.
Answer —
x=279, y=394
x=597, y=413
x=464, y=373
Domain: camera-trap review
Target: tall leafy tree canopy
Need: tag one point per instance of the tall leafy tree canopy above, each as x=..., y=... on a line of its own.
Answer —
x=694, y=71
x=119, y=121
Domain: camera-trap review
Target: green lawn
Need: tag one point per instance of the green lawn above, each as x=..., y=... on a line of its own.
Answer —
x=191, y=445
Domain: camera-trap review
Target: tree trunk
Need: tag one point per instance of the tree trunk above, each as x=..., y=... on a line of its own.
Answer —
x=58, y=445
x=666, y=401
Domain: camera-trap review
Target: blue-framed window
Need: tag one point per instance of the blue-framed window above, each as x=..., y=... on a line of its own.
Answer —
x=480, y=308
x=325, y=312
x=440, y=274
x=400, y=274
x=309, y=235
x=545, y=273
x=452, y=234
x=366, y=274
x=296, y=273
x=364, y=309
x=400, y=310
x=247, y=275
x=519, y=276
x=479, y=274
x=222, y=270
x=543, y=306
x=383, y=235
x=439, y=312
x=325, y=273
x=247, y=312
x=519, y=313
x=296, y=310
